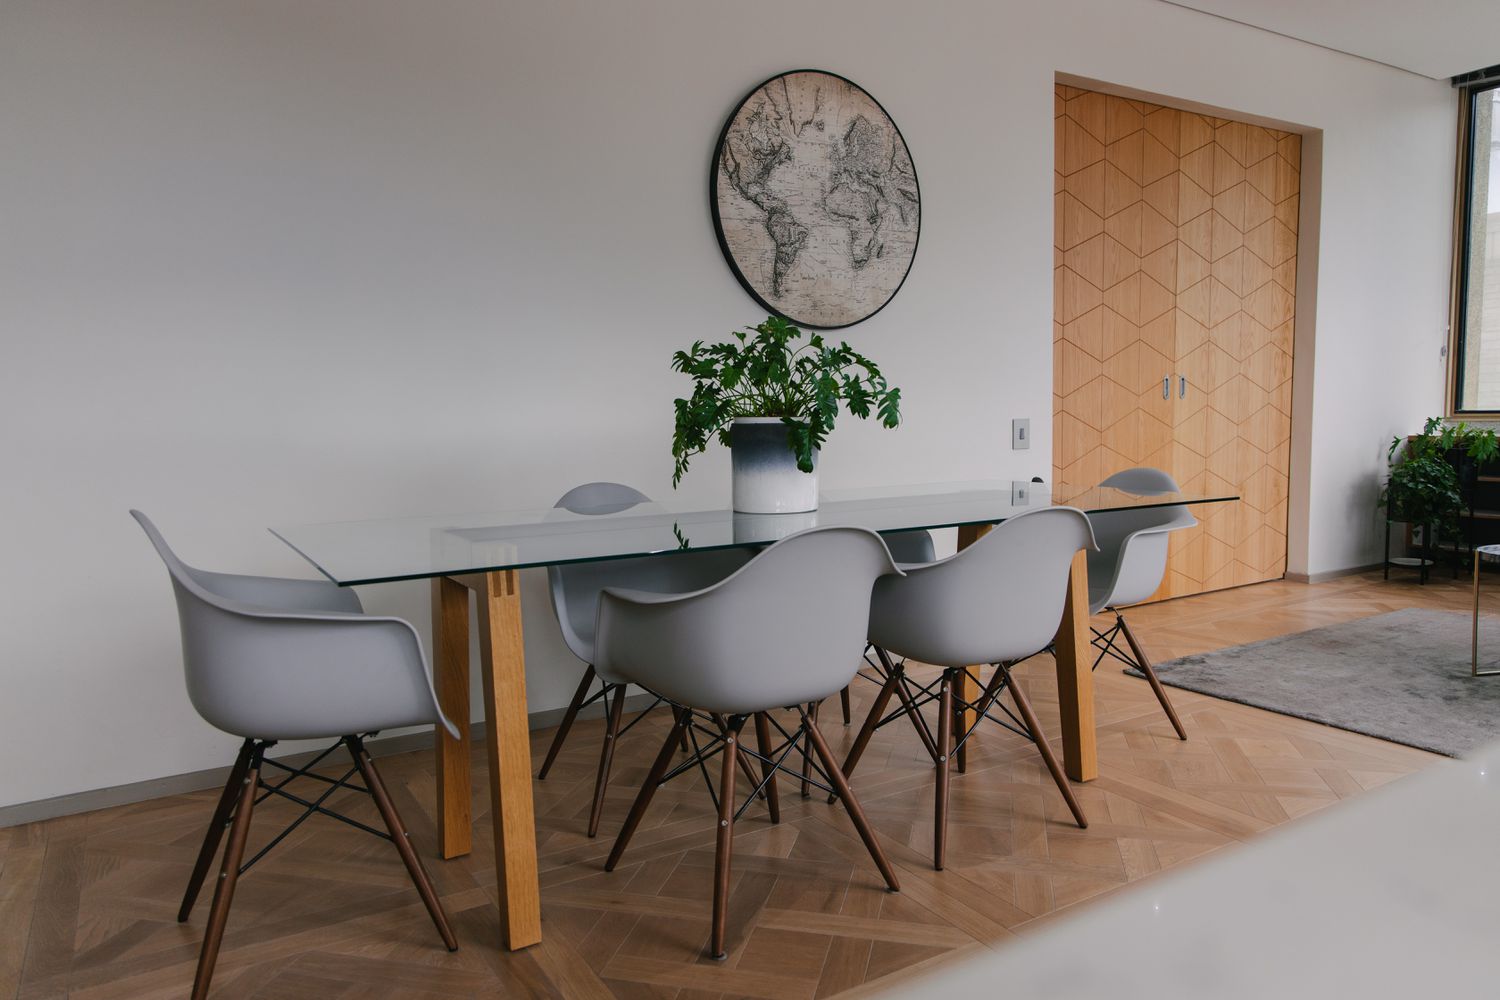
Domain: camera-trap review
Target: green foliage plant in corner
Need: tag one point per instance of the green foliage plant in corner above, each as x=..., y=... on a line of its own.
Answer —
x=773, y=369
x=1424, y=483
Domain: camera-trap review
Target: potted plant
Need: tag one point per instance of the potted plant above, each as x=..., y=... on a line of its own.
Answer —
x=1427, y=481
x=772, y=397
x=1469, y=449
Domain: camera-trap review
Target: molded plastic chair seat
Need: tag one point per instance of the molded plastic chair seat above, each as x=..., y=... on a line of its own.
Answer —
x=276, y=659
x=269, y=659
x=786, y=629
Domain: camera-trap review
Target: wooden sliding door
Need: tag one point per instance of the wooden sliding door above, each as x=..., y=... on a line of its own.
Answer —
x=1175, y=265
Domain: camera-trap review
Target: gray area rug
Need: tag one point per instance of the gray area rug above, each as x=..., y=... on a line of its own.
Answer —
x=1402, y=676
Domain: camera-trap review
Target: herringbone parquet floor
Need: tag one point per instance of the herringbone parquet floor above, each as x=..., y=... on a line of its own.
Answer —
x=87, y=903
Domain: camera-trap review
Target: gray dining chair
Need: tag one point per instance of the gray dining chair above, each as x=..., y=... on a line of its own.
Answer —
x=1129, y=567
x=997, y=602
x=268, y=659
x=575, y=590
x=785, y=630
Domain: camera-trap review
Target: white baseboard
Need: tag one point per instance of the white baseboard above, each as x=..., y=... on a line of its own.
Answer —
x=214, y=777
x=1330, y=574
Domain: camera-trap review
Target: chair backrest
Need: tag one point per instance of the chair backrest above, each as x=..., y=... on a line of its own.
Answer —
x=1142, y=480
x=575, y=587
x=1000, y=599
x=601, y=498
x=1133, y=545
x=787, y=628
x=910, y=546
x=278, y=659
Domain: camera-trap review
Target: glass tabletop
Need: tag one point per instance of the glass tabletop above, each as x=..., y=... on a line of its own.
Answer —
x=414, y=548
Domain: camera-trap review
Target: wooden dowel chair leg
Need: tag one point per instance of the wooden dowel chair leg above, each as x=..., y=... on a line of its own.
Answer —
x=1045, y=747
x=724, y=845
x=567, y=722
x=744, y=760
x=768, y=770
x=1146, y=668
x=229, y=874
x=844, y=703
x=616, y=708
x=906, y=702
x=648, y=790
x=810, y=712
x=877, y=712
x=945, y=750
x=852, y=806
x=216, y=826
x=402, y=840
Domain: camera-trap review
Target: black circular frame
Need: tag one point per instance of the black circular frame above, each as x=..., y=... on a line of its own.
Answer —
x=713, y=199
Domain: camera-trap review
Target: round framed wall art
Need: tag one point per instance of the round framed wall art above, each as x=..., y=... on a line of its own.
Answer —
x=815, y=199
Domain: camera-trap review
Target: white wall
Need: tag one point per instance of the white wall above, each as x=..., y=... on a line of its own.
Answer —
x=293, y=260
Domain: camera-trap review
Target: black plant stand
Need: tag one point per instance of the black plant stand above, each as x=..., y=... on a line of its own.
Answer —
x=1425, y=560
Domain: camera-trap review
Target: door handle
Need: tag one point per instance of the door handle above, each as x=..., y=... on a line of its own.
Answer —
x=1181, y=386
x=1166, y=387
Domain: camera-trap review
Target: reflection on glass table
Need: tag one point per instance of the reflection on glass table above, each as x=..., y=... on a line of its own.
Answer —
x=376, y=551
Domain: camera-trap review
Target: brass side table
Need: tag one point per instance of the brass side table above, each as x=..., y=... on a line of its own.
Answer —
x=1492, y=552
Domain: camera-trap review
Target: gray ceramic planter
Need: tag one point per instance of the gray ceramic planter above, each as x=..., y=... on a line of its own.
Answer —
x=766, y=478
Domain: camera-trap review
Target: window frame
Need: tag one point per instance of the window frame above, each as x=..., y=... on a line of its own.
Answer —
x=1458, y=293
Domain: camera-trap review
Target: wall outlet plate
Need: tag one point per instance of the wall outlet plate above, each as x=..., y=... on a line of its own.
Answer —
x=1020, y=433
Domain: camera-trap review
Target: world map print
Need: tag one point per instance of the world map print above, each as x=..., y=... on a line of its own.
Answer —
x=815, y=199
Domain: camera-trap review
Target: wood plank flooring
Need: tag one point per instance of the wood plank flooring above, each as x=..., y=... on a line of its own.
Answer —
x=87, y=903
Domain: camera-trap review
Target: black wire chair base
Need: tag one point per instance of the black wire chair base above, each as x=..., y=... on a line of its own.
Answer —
x=1105, y=642
x=583, y=699
x=715, y=729
x=266, y=789
x=245, y=788
x=959, y=718
x=914, y=696
x=723, y=735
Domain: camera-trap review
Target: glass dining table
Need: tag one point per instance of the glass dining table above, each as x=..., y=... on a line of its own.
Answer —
x=484, y=552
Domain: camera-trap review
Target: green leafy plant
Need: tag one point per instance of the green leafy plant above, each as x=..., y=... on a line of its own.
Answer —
x=1479, y=443
x=1424, y=483
x=768, y=370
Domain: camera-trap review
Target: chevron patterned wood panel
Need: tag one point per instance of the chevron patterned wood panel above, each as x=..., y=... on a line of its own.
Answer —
x=1175, y=258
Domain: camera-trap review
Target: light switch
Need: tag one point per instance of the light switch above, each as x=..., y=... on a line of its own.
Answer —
x=1020, y=433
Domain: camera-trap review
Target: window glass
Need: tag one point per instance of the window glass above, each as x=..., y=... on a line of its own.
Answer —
x=1479, y=307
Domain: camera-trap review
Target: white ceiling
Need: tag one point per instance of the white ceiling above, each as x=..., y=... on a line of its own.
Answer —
x=1436, y=38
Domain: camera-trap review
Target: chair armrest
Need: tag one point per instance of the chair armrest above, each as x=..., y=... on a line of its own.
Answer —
x=311, y=671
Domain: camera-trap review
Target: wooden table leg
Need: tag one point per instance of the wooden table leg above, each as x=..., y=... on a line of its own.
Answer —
x=1075, y=677
x=450, y=676
x=968, y=687
x=508, y=743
